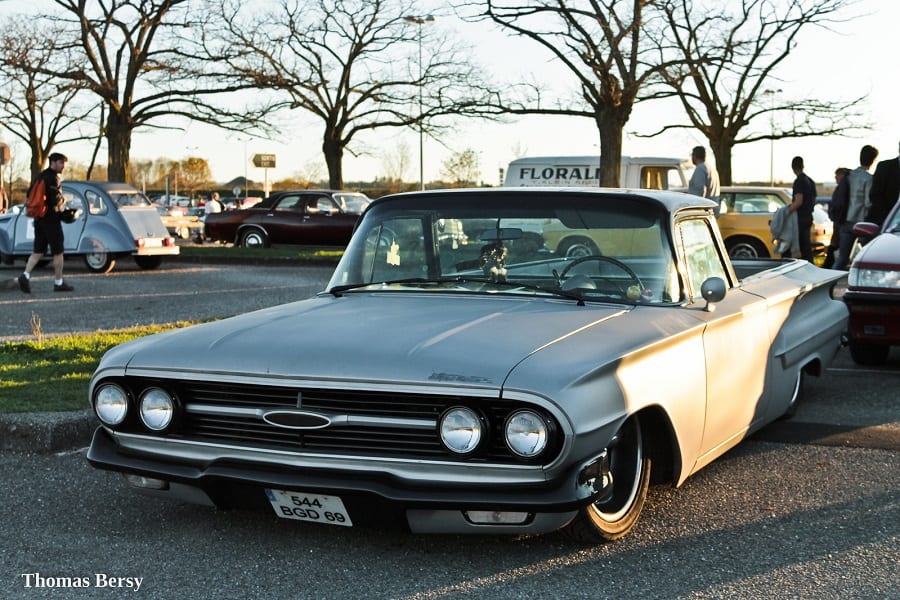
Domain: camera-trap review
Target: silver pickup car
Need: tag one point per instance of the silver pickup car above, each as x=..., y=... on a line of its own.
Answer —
x=113, y=220
x=460, y=374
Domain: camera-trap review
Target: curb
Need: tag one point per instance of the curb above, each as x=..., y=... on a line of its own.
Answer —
x=44, y=433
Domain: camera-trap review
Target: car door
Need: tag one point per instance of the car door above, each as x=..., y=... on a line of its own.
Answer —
x=735, y=340
x=286, y=221
x=332, y=226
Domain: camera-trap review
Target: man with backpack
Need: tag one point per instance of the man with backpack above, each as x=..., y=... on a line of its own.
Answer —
x=48, y=228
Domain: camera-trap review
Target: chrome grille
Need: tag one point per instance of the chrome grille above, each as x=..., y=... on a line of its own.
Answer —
x=382, y=424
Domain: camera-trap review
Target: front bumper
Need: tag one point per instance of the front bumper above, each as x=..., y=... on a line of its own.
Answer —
x=372, y=498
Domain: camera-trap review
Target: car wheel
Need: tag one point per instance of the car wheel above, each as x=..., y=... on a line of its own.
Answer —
x=578, y=247
x=254, y=238
x=869, y=354
x=183, y=232
x=616, y=514
x=99, y=261
x=746, y=248
x=148, y=262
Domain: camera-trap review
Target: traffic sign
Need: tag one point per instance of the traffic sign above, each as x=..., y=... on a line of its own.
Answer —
x=264, y=161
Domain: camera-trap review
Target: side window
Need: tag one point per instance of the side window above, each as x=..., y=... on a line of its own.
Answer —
x=702, y=258
x=655, y=178
x=73, y=200
x=97, y=205
x=726, y=203
x=324, y=205
x=757, y=203
x=290, y=203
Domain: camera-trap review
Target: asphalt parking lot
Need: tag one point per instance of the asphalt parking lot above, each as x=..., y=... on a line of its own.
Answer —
x=807, y=508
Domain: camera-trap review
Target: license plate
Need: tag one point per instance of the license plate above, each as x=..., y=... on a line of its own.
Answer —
x=152, y=242
x=309, y=507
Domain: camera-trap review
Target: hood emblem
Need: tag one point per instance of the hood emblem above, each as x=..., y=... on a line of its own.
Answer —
x=295, y=419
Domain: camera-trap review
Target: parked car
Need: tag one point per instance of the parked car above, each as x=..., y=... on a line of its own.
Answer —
x=180, y=221
x=308, y=217
x=114, y=220
x=744, y=216
x=482, y=387
x=873, y=291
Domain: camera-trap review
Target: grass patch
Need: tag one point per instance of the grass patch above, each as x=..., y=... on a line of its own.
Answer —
x=51, y=374
x=311, y=254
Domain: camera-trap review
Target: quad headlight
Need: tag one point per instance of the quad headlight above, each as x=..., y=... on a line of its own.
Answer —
x=111, y=404
x=461, y=429
x=157, y=409
x=526, y=433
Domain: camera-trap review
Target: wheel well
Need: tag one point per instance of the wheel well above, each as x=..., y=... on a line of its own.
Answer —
x=245, y=228
x=813, y=367
x=664, y=452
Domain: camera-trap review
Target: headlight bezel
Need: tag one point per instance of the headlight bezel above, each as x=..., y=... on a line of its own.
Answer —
x=544, y=436
x=122, y=411
x=475, y=420
x=165, y=400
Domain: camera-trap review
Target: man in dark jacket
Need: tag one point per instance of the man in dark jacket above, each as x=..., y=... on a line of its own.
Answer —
x=804, y=201
x=48, y=229
x=885, y=190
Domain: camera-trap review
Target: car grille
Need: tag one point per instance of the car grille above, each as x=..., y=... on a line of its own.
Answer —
x=383, y=424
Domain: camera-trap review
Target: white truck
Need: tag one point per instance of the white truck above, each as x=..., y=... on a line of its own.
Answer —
x=645, y=172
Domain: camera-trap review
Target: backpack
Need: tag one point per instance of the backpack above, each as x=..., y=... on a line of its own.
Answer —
x=36, y=205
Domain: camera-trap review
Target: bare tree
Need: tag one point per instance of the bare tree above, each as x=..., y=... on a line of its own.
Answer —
x=37, y=108
x=136, y=56
x=396, y=161
x=462, y=168
x=351, y=64
x=725, y=58
x=600, y=43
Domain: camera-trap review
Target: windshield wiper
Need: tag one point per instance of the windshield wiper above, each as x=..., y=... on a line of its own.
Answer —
x=338, y=290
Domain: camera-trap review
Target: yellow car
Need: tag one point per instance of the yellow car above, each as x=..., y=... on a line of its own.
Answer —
x=744, y=216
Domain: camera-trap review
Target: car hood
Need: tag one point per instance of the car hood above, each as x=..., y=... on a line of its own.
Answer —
x=374, y=337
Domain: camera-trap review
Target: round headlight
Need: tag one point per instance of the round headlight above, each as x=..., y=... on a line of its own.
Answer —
x=461, y=430
x=157, y=409
x=111, y=404
x=526, y=433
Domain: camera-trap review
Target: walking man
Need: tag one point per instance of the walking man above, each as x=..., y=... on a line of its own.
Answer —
x=48, y=229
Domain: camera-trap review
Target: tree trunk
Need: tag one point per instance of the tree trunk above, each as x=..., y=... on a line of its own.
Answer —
x=334, y=153
x=118, y=139
x=610, y=126
x=722, y=151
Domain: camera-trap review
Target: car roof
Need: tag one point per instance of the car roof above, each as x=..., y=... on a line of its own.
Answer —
x=106, y=186
x=670, y=201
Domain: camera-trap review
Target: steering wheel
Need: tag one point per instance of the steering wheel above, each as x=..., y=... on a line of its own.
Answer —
x=607, y=259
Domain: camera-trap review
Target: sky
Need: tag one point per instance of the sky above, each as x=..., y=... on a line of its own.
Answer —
x=831, y=65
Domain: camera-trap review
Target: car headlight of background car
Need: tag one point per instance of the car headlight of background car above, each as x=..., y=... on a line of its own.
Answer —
x=873, y=278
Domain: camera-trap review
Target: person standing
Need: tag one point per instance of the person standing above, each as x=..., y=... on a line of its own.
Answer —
x=885, y=190
x=859, y=182
x=804, y=193
x=48, y=229
x=213, y=206
x=837, y=212
x=705, y=179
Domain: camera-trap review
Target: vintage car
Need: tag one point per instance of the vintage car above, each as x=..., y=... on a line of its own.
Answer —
x=114, y=220
x=873, y=291
x=308, y=217
x=483, y=387
x=744, y=216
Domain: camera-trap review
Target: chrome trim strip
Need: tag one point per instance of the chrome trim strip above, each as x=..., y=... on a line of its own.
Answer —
x=419, y=471
x=348, y=420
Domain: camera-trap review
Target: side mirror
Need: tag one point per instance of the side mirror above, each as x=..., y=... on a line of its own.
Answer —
x=713, y=290
x=867, y=230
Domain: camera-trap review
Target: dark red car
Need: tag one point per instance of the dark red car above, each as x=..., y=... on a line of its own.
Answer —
x=308, y=217
x=873, y=292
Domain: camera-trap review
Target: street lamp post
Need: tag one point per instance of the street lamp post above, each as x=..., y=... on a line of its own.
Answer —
x=771, y=94
x=420, y=21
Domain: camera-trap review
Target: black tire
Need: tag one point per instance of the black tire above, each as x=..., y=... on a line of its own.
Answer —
x=254, y=238
x=744, y=247
x=577, y=247
x=613, y=517
x=148, y=263
x=869, y=354
x=99, y=261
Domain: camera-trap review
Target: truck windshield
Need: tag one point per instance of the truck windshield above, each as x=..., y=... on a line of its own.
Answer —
x=594, y=248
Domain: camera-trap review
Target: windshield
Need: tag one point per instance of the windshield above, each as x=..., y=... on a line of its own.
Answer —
x=588, y=246
x=129, y=199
